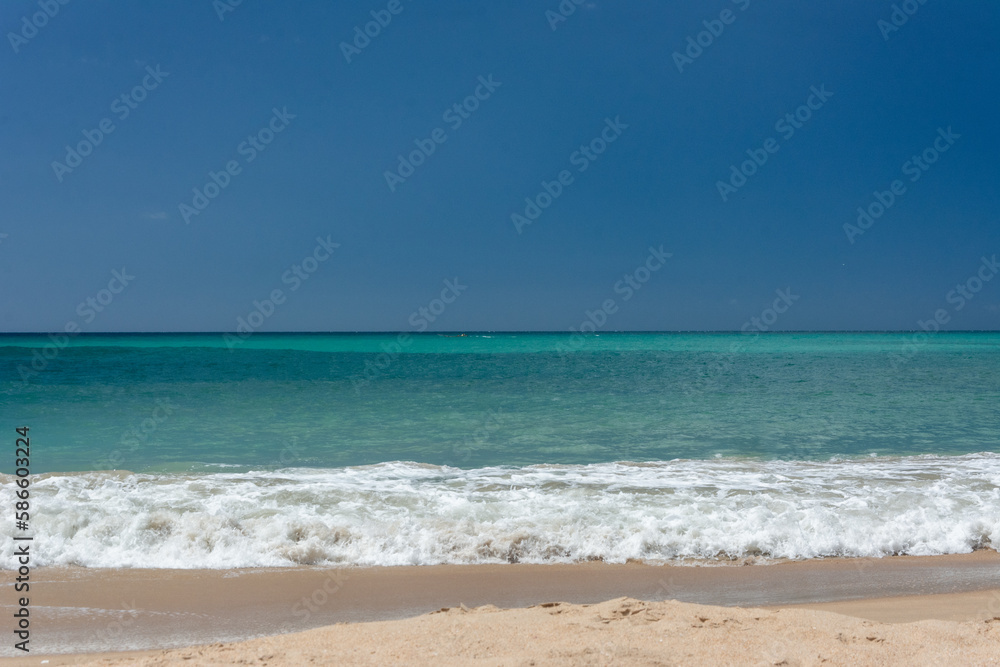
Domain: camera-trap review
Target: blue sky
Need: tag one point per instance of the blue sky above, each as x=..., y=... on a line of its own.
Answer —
x=889, y=95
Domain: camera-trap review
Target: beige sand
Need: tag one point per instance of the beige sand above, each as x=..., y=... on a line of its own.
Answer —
x=951, y=605
x=624, y=631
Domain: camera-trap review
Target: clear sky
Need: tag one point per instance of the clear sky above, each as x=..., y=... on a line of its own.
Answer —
x=188, y=88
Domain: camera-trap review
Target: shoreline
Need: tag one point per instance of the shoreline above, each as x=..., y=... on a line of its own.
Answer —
x=78, y=611
x=619, y=631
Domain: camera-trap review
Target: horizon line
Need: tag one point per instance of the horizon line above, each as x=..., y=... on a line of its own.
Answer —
x=488, y=331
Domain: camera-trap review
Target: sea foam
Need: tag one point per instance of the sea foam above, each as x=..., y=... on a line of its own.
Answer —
x=403, y=513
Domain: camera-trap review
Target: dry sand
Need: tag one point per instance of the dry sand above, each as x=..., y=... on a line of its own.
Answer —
x=624, y=631
x=942, y=610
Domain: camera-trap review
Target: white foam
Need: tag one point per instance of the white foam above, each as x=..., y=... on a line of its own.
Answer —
x=407, y=513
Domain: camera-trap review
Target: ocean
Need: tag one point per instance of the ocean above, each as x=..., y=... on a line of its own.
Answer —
x=207, y=451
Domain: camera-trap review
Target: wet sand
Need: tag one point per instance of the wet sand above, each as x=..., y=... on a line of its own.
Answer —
x=76, y=611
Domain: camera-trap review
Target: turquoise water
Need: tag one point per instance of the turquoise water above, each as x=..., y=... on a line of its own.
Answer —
x=181, y=402
x=194, y=451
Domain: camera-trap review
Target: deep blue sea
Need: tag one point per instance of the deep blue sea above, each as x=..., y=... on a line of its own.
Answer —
x=197, y=451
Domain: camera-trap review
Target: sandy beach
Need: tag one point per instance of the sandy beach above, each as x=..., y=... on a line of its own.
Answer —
x=903, y=610
x=624, y=631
